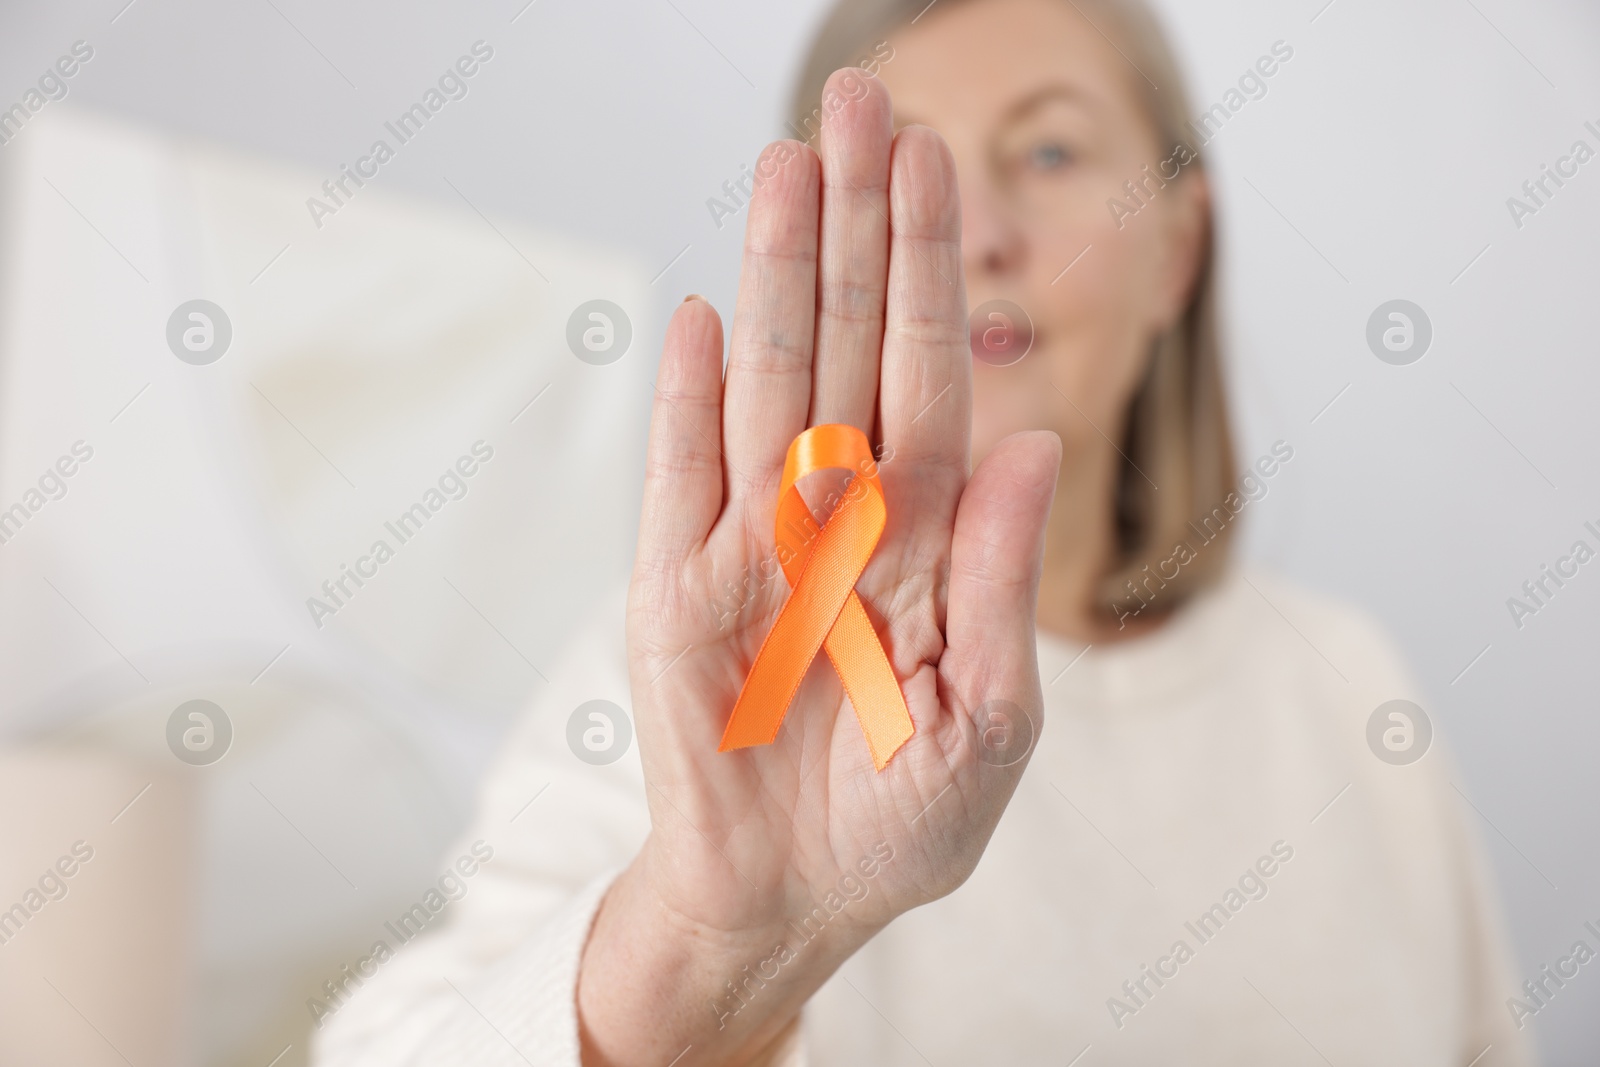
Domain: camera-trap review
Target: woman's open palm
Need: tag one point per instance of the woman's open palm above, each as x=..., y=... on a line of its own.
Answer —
x=851, y=309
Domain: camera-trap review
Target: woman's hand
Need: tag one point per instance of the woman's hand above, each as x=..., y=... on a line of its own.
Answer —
x=852, y=309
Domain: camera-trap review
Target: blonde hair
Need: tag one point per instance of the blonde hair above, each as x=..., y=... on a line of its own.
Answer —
x=1176, y=433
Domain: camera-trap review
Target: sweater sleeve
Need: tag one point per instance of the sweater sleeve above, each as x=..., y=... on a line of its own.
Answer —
x=495, y=982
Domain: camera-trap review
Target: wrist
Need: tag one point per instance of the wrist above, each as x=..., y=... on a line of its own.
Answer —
x=655, y=983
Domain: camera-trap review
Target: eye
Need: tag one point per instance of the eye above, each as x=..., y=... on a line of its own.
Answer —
x=1049, y=155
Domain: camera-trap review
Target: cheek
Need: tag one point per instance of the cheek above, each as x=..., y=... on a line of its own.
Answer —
x=1115, y=281
x=1094, y=322
x=1107, y=290
x=1094, y=342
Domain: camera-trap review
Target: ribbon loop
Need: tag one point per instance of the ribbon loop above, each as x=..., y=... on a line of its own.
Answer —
x=823, y=611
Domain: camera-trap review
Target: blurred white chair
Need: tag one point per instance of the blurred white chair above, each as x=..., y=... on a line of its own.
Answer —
x=367, y=355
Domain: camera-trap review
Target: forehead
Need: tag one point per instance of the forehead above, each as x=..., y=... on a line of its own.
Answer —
x=984, y=60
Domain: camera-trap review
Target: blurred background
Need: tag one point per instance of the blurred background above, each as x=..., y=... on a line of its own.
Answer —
x=423, y=316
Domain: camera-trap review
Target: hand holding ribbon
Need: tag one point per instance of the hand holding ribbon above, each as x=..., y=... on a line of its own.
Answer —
x=920, y=588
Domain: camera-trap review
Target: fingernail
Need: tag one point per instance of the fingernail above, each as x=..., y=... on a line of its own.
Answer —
x=694, y=296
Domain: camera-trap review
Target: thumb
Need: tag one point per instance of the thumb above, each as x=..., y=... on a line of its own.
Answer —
x=996, y=556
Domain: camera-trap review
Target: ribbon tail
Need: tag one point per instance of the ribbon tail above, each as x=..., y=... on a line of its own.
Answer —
x=825, y=583
x=869, y=681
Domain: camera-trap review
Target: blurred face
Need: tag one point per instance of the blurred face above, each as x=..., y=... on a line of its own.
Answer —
x=1046, y=122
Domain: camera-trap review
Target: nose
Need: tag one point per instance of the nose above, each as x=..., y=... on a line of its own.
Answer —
x=992, y=242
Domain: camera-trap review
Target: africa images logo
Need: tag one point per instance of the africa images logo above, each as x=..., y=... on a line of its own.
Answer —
x=450, y=887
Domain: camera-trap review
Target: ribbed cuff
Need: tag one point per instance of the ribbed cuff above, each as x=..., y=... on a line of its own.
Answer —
x=526, y=1008
x=521, y=1010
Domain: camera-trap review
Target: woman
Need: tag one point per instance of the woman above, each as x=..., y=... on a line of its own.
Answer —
x=1205, y=863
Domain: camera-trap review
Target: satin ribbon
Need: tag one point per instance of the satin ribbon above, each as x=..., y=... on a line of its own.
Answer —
x=823, y=611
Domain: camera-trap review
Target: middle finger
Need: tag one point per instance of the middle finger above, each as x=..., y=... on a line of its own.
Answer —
x=853, y=264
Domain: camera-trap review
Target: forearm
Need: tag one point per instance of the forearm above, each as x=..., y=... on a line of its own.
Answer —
x=657, y=988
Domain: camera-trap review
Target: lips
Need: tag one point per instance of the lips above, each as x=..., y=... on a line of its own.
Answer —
x=1001, y=340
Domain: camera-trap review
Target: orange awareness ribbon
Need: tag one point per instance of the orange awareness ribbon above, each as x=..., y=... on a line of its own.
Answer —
x=823, y=611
